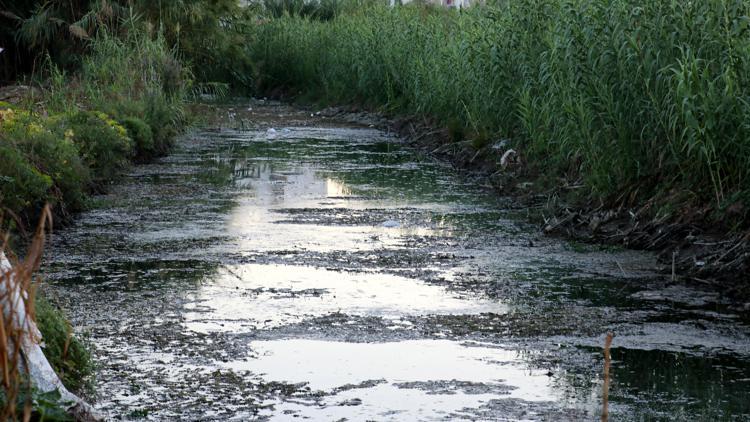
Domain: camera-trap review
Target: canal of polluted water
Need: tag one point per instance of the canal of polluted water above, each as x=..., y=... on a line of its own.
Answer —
x=326, y=271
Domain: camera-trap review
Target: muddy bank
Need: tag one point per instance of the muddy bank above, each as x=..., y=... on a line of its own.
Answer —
x=283, y=265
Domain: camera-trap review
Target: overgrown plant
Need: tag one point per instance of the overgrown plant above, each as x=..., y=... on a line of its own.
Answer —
x=208, y=36
x=126, y=103
x=35, y=29
x=636, y=101
x=314, y=9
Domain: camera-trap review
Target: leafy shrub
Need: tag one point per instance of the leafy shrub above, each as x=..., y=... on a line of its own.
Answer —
x=104, y=144
x=44, y=164
x=140, y=132
x=22, y=186
x=57, y=156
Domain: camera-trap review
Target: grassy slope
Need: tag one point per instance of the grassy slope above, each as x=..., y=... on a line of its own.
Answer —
x=125, y=104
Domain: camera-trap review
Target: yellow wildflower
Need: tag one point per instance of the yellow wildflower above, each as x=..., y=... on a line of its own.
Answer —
x=120, y=130
x=7, y=114
x=35, y=128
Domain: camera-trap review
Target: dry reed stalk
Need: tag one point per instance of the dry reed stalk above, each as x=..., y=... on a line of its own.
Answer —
x=17, y=292
x=22, y=360
x=605, y=391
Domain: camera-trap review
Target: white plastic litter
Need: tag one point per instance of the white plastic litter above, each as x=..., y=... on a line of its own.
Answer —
x=507, y=157
x=42, y=376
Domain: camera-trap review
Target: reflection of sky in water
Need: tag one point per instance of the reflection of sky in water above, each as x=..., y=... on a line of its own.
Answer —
x=225, y=227
x=273, y=295
x=254, y=223
x=336, y=189
x=274, y=185
x=443, y=370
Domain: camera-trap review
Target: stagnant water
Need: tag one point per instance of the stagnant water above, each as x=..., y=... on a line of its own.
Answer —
x=326, y=271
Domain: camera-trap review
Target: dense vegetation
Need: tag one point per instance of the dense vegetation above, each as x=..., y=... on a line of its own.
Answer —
x=115, y=76
x=639, y=103
x=635, y=101
x=66, y=353
x=110, y=81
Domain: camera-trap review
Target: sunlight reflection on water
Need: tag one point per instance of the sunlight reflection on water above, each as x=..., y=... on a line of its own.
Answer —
x=267, y=296
x=408, y=380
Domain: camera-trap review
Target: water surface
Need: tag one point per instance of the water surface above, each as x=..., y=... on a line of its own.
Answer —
x=329, y=272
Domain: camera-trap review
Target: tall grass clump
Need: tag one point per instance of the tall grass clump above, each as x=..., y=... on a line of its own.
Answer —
x=636, y=101
x=125, y=103
x=208, y=35
x=136, y=75
x=314, y=9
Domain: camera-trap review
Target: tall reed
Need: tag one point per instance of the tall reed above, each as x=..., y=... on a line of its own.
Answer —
x=637, y=100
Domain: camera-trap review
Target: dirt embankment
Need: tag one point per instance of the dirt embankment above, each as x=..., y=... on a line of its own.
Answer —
x=690, y=247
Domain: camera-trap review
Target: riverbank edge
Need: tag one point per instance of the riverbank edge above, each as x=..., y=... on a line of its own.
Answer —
x=69, y=352
x=688, y=250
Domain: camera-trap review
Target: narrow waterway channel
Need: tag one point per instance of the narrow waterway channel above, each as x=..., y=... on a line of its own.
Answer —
x=324, y=270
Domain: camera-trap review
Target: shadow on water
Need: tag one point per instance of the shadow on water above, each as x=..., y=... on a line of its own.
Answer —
x=330, y=272
x=684, y=386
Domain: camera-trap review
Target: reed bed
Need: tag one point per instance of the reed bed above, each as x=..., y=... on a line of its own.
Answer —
x=635, y=101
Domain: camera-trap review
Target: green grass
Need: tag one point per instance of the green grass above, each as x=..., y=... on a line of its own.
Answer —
x=637, y=100
x=67, y=354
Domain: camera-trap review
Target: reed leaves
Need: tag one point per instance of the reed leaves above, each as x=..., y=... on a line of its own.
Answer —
x=632, y=96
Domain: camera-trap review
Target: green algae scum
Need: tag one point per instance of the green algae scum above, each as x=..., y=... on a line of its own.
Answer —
x=303, y=268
